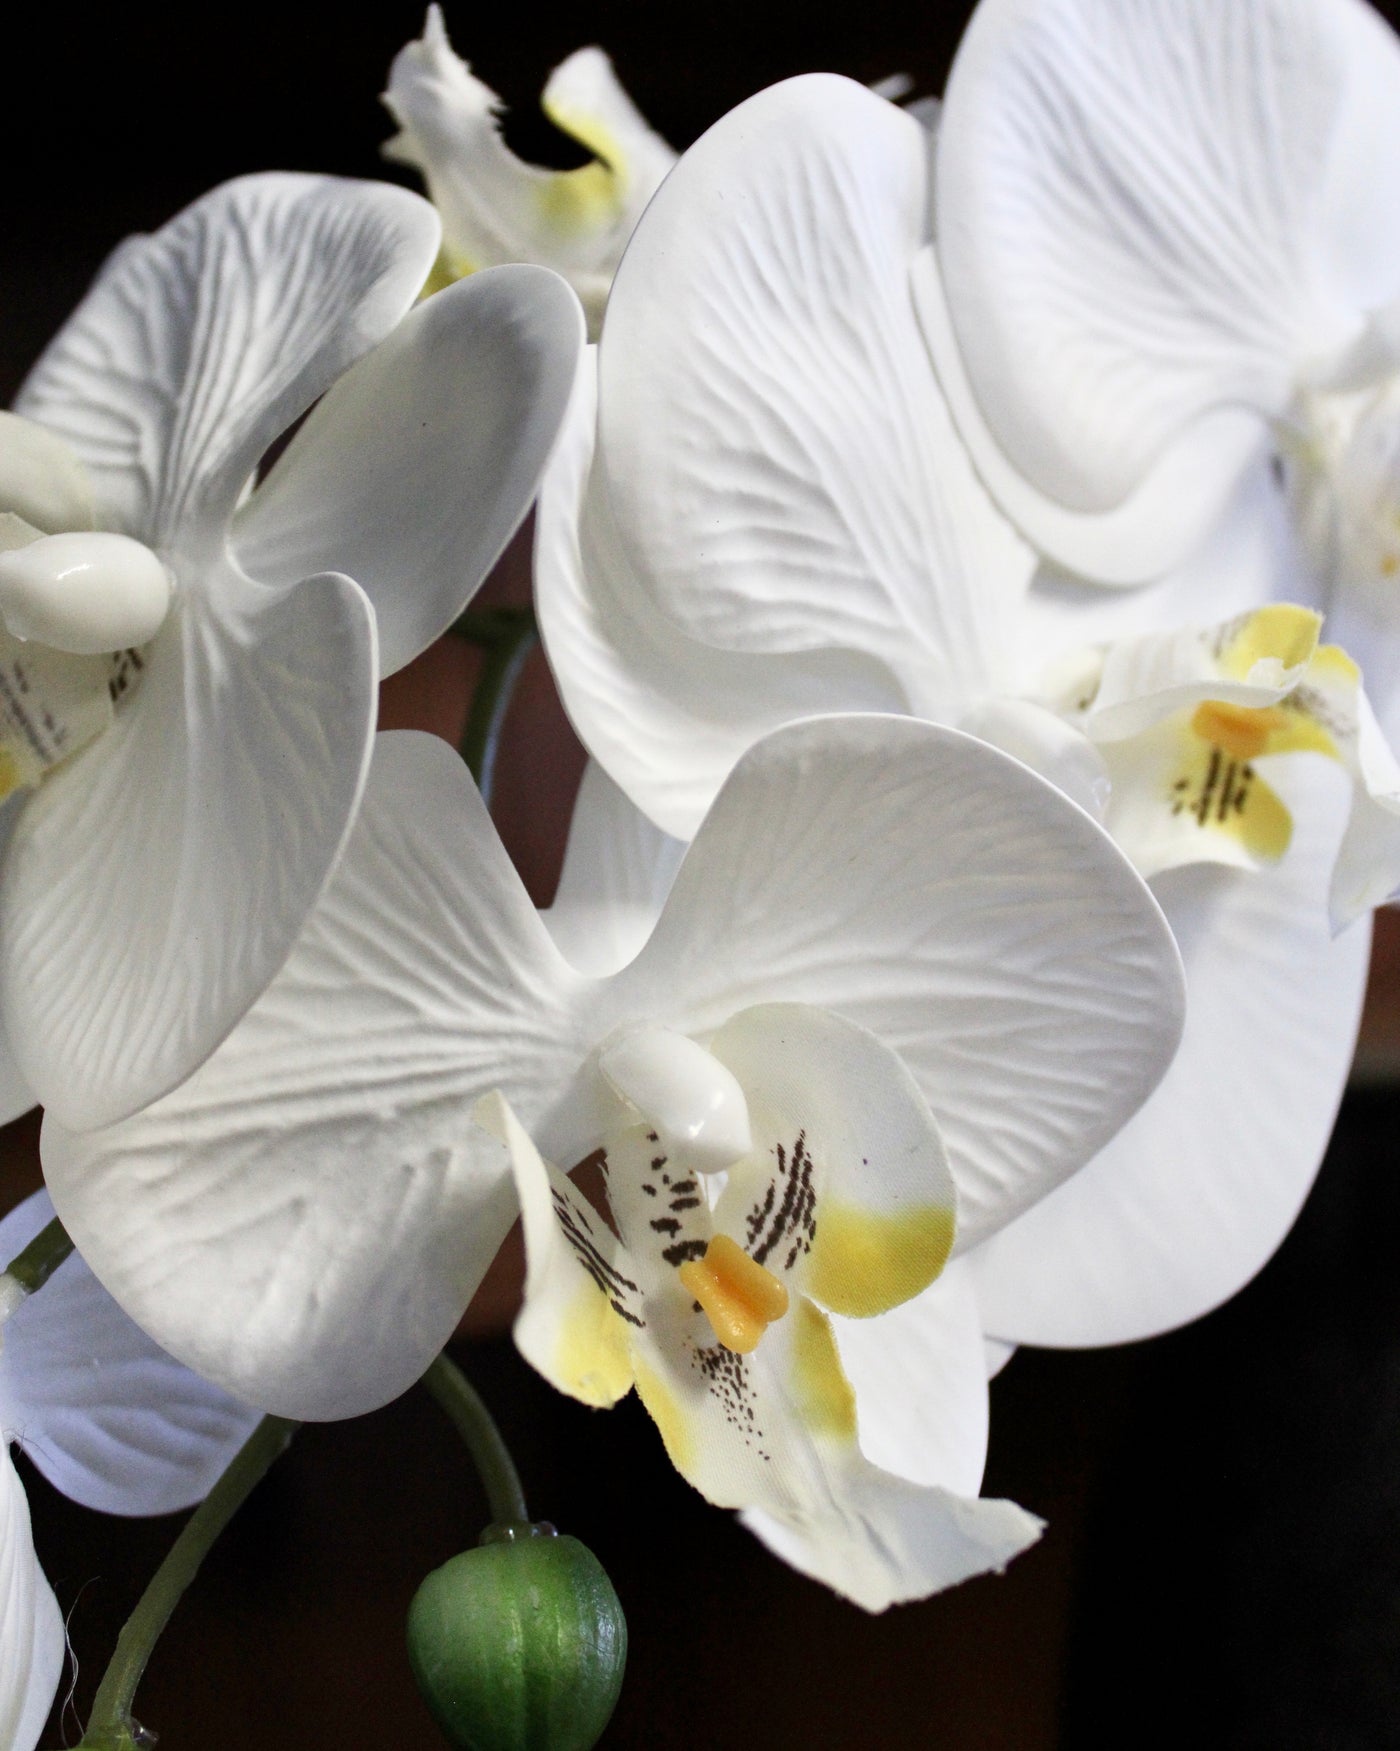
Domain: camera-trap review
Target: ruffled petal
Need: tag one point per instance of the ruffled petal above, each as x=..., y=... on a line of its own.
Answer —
x=417, y=466
x=1194, y=1194
x=665, y=715
x=1134, y=226
x=931, y=890
x=618, y=869
x=32, y=1639
x=782, y=470
x=306, y=1218
x=155, y=884
x=200, y=345
x=848, y=1193
x=106, y=1415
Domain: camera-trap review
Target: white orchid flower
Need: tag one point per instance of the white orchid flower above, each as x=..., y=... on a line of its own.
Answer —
x=978, y=976
x=495, y=207
x=1169, y=240
x=208, y=644
x=111, y=1421
x=773, y=514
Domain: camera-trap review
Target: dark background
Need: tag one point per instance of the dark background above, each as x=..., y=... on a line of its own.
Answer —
x=1222, y=1566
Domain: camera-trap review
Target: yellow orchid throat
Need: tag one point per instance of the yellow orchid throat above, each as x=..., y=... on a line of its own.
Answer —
x=740, y=1297
x=1215, y=781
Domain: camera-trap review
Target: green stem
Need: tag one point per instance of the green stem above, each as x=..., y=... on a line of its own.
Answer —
x=503, y=661
x=110, y=1727
x=32, y=1268
x=477, y=1427
x=488, y=626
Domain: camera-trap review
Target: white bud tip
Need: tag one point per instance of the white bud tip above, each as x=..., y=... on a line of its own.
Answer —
x=694, y=1101
x=84, y=593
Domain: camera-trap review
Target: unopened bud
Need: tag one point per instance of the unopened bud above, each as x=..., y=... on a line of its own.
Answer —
x=520, y=1644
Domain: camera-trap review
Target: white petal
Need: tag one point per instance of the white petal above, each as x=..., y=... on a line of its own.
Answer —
x=665, y=715
x=783, y=472
x=1043, y=741
x=618, y=869
x=1131, y=220
x=41, y=479
x=1194, y=1194
x=921, y=1384
x=200, y=345
x=891, y=1541
x=1162, y=523
x=104, y=1413
x=932, y=890
x=419, y=464
x=305, y=1220
x=1368, y=863
x=1252, y=557
x=155, y=884
x=32, y=1640
x=495, y=207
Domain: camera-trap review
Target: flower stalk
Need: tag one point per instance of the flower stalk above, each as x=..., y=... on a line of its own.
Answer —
x=33, y=1267
x=111, y=1727
x=506, y=637
x=477, y=1427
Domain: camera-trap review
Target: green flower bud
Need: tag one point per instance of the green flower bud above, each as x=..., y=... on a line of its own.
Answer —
x=520, y=1644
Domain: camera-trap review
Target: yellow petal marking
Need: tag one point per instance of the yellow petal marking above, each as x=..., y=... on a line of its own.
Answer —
x=864, y=1262
x=1217, y=786
x=11, y=778
x=1241, y=731
x=578, y=200
x=1281, y=633
x=592, y=1358
x=741, y=1298
x=824, y=1393
x=666, y=1411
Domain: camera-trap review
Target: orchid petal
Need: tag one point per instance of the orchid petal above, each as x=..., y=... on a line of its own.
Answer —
x=305, y=1220
x=1033, y=1020
x=155, y=884
x=105, y=1414
x=579, y=1298
x=1132, y=221
x=421, y=461
x=618, y=869
x=200, y=345
x=919, y=1377
x=1042, y=740
x=1196, y=1191
x=1163, y=523
x=1252, y=557
x=1368, y=863
x=783, y=472
x=497, y=208
x=775, y=1433
x=861, y=1211
x=32, y=1639
x=1252, y=662
x=41, y=478
x=665, y=716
